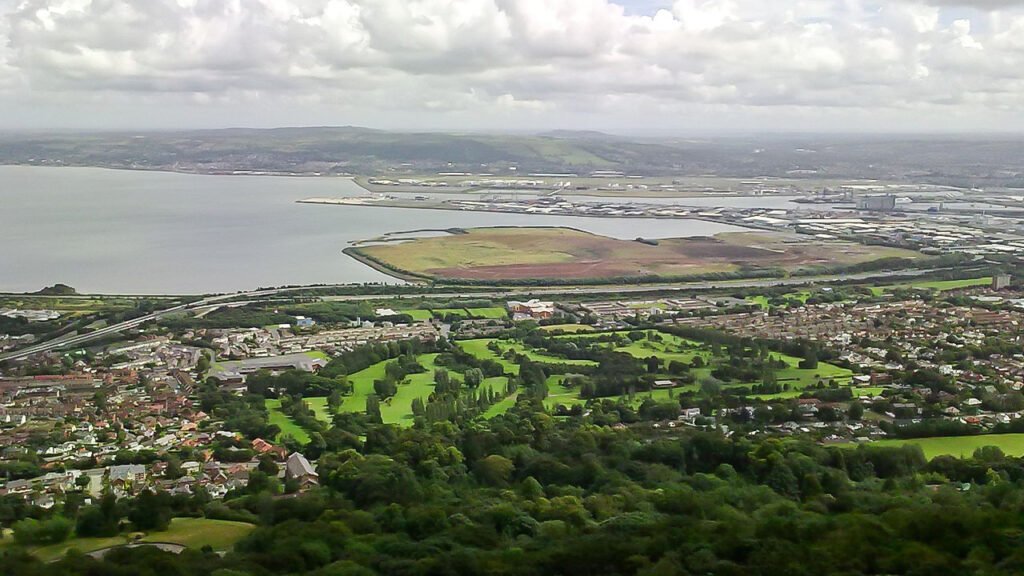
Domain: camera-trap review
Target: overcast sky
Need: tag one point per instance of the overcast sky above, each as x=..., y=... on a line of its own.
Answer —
x=625, y=66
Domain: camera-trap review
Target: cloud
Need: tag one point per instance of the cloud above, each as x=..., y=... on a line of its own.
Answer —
x=517, y=57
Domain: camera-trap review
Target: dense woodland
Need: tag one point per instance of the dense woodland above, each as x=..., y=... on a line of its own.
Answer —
x=526, y=493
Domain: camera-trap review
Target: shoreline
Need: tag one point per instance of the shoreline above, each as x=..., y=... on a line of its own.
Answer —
x=354, y=253
x=427, y=205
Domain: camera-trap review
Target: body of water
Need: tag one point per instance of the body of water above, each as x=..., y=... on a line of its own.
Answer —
x=135, y=232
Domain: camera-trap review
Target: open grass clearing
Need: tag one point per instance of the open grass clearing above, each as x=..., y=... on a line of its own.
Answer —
x=188, y=532
x=500, y=408
x=284, y=422
x=418, y=314
x=937, y=285
x=961, y=446
x=568, y=328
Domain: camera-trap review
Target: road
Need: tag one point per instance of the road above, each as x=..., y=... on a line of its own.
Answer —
x=75, y=340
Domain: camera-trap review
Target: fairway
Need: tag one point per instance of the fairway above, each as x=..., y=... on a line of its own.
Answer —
x=398, y=408
x=505, y=253
x=962, y=446
x=284, y=422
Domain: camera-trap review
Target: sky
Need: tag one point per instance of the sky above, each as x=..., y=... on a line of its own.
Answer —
x=626, y=66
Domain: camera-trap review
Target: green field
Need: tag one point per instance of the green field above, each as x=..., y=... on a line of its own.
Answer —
x=442, y=312
x=479, y=349
x=501, y=407
x=673, y=348
x=422, y=314
x=418, y=314
x=962, y=446
x=284, y=422
x=568, y=328
x=494, y=313
x=319, y=407
x=938, y=285
x=764, y=301
x=398, y=408
x=189, y=532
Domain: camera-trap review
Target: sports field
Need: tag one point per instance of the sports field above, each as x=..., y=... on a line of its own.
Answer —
x=544, y=252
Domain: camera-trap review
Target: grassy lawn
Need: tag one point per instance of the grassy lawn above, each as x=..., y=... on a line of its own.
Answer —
x=568, y=328
x=319, y=407
x=199, y=532
x=398, y=408
x=284, y=422
x=962, y=446
x=442, y=312
x=418, y=314
x=542, y=357
x=318, y=355
x=189, y=532
x=55, y=551
x=501, y=407
x=761, y=301
x=801, y=378
x=939, y=285
x=479, y=349
x=495, y=313
x=764, y=301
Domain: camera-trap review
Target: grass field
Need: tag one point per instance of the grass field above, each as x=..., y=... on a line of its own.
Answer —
x=673, y=348
x=488, y=313
x=479, y=349
x=418, y=315
x=284, y=422
x=189, y=532
x=398, y=408
x=764, y=302
x=962, y=446
x=544, y=252
x=938, y=285
x=568, y=328
x=501, y=407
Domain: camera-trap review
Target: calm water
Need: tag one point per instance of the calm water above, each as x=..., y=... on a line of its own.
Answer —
x=108, y=231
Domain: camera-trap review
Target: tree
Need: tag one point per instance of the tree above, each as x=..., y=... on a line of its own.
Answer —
x=474, y=377
x=51, y=531
x=810, y=360
x=373, y=409
x=334, y=400
x=203, y=364
x=151, y=511
x=494, y=470
x=711, y=386
x=856, y=411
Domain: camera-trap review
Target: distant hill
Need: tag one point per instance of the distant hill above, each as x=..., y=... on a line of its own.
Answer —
x=57, y=290
x=955, y=160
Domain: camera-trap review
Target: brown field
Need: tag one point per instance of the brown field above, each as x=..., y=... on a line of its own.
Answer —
x=558, y=253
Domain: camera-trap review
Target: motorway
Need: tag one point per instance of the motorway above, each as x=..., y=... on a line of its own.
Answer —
x=78, y=339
